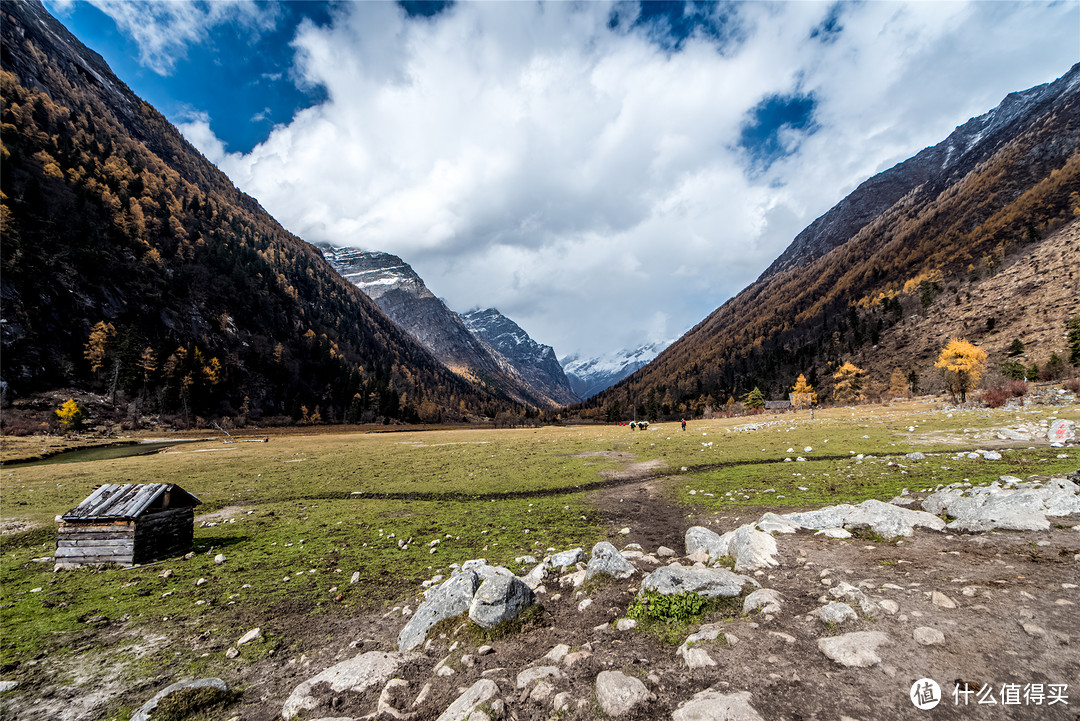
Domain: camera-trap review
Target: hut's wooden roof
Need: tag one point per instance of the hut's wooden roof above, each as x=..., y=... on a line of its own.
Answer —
x=116, y=501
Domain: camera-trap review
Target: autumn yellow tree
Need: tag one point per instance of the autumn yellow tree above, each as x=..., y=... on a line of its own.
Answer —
x=802, y=394
x=70, y=415
x=898, y=384
x=97, y=347
x=962, y=363
x=849, y=383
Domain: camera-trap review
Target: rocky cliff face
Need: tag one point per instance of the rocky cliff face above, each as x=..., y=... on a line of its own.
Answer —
x=402, y=295
x=535, y=362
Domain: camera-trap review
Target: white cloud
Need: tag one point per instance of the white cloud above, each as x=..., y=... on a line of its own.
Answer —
x=164, y=30
x=588, y=182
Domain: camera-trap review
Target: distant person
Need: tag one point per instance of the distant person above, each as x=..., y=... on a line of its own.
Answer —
x=684, y=424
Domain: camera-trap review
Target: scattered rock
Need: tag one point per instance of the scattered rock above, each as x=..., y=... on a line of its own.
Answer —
x=928, y=636
x=568, y=558
x=531, y=675
x=145, y=711
x=709, y=582
x=882, y=518
x=393, y=698
x=479, y=693
x=711, y=705
x=608, y=561
x=765, y=600
x=773, y=523
x=557, y=654
x=356, y=674
x=452, y=598
x=940, y=600
x=1061, y=431
x=1014, y=506
x=752, y=549
x=836, y=613
x=701, y=540
x=857, y=649
x=252, y=635
x=500, y=599
x=619, y=694
x=8, y=686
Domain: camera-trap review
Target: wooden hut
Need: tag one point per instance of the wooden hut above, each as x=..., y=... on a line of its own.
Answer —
x=778, y=406
x=127, y=524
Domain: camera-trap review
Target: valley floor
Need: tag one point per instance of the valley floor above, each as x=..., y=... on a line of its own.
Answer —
x=997, y=610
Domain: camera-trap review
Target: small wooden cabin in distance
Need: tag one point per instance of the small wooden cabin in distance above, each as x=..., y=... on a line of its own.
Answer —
x=127, y=524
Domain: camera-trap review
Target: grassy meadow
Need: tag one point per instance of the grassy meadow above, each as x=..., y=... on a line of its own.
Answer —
x=293, y=537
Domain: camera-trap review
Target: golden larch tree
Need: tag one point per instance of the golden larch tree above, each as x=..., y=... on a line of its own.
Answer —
x=898, y=384
x=802, y=393
x=962, y=363
x=98, y=346
x=849, y=383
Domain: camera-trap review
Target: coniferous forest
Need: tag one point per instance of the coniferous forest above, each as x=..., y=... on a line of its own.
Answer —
x=131, y=266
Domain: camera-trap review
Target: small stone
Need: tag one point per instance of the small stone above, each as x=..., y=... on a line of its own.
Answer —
x=928, y=636
x=200, y=582
x=531, y=675
x=857, y=649
x=220, y=558
x=1032, y=630
x=232, y=653
x=711, y=705
x=541, y=692
x=557, y=653
x=485, y=651
x=625, y=624
x=891, y=607
x=8, y=686
x=252, y=635
x=836, y=613
x=941, y=600
x=619, y=694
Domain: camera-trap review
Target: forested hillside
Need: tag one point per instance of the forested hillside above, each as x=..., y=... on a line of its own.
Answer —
x=132, y=266
x=951, y=215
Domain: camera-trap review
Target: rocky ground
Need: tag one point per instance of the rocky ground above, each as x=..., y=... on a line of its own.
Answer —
x=853, y=624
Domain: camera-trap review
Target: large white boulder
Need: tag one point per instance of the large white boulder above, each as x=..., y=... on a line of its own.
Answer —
x=356, y=674
x=708, y=582
x=451, y=598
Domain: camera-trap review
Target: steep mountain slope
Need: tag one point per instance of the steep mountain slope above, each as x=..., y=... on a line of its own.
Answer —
x=589, y=376
x=402, y=295
x=131, y=264
x=915, y=235
x=535, y=362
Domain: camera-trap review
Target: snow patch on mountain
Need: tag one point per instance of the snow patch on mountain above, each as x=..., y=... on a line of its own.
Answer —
x=589, y=376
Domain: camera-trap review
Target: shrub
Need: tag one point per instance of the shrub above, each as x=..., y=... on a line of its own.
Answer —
x=1073, y=384
x=1017, y=389
x=996, y=397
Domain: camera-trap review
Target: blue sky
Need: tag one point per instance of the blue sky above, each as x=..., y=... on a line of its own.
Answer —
x=606, y=174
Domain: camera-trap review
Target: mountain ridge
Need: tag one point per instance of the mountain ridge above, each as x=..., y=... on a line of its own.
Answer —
x=875, y=258
x=202, y=303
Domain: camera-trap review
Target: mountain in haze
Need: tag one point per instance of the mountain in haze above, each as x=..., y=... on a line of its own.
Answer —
x=535, y=362
x=908, y=242
x=132, y=266
x=402, y=295
x=589, y=376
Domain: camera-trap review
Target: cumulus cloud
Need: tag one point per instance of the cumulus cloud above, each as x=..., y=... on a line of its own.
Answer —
x=164, y=30
x=593, y=183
